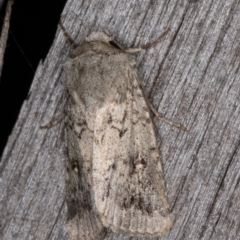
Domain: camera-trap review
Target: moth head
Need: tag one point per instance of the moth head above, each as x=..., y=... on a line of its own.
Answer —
x=98, y=36
x=104, y=37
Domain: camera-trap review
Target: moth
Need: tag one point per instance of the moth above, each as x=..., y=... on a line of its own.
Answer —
x=114, y=174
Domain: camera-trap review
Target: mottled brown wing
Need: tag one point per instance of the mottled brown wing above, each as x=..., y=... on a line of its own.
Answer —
x=82, y=222
x=128, y=181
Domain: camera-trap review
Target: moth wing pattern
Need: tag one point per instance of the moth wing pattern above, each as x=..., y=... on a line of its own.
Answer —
x=115, y=177
x=82, y=221
x=128, y=181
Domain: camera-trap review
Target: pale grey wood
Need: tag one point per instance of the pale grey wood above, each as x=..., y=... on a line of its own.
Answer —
x=4, y=33
x=192, y=77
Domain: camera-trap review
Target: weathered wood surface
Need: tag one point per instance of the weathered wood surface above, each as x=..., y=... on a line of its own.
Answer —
x=192, y=77
x=4, y=33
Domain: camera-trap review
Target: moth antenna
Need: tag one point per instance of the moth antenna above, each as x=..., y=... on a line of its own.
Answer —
x=148, y=45
x=67, y=35
x=151, y=44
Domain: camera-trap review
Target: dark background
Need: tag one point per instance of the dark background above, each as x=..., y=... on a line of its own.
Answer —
x=32, y=29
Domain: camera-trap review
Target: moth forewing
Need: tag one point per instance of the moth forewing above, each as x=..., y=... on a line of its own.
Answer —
x=114, y=173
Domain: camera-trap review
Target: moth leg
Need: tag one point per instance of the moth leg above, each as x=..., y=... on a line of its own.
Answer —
x=157, y=114
x=148, y=45
x=54, y=122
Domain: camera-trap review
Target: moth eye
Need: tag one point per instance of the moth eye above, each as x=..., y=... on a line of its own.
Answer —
x=112, y=43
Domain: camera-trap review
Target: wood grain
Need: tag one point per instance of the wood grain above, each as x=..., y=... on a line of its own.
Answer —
x=192, y=77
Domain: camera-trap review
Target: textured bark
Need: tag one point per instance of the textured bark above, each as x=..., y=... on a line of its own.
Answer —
x=4, y=34
x=192, y=77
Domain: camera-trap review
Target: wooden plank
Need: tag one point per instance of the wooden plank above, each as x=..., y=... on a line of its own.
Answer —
x=192, y=77
x=4, y=33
